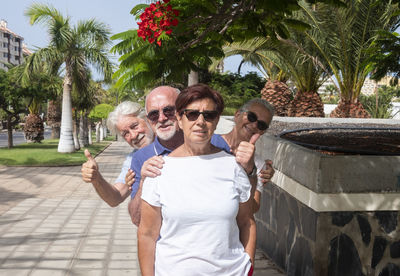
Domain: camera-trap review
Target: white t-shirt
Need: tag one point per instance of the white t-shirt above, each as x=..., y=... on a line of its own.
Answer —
x=199, y=198
x=260, y=165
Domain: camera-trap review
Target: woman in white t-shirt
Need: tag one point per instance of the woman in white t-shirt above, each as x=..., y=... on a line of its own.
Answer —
x=196, y=217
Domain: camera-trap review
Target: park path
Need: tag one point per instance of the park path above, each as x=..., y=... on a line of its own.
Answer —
x=53, y=223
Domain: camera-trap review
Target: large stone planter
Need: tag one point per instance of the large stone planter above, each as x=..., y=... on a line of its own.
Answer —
x=330, y=215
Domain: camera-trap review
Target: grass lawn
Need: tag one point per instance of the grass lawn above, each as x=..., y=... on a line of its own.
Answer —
x=45, y=154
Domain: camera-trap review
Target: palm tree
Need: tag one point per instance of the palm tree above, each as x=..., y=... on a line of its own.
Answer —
x=280, y=60
x=74, y=47
x=259, y=53
x=344, y=37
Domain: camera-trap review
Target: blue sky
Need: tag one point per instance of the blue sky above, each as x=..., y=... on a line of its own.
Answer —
x=114, y=13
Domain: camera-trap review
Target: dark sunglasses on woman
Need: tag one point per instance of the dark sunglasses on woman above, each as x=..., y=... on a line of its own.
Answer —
x=193, y=114
x=169, y=112
x=252, y=117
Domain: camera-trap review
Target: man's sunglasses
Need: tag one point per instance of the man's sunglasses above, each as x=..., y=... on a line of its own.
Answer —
x=169, y=112
x=252, y=117
x=192, y=114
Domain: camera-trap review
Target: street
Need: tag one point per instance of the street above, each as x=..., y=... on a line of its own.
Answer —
x=18, y=137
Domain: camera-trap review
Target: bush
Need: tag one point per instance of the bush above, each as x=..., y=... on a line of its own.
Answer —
x=385, y=98
x=236, y=89
x=328, y=99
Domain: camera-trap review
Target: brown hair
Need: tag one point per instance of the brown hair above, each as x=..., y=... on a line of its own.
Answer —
x=197, y=92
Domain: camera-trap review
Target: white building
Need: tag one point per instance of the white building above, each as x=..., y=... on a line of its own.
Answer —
x=12, y=50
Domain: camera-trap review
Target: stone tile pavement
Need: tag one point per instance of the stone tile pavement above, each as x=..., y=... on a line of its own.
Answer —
x=53, y=223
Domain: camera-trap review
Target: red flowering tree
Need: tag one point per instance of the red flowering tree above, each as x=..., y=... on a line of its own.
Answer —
x=190, y=45
x=157, y=21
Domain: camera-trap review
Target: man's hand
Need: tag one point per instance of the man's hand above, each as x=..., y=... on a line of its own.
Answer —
x=152, y=167
x=267, y=173
x=245, y=153
x=90, y=169
x=130, y=179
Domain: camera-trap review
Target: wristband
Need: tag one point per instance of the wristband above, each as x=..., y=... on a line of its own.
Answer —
x=253, y=172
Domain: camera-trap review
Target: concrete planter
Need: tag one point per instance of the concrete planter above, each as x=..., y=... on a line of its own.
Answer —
x=330, y=215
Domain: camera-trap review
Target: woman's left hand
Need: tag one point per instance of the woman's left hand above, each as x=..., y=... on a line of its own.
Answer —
x=267, y=173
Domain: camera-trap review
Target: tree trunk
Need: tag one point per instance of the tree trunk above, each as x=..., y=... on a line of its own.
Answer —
x=101, y=131
x=9, y=132
x=306, y=104
x=83, y=130
x=103, y=122
x=348, y=109
x=278, y=94
x=90, y=132
x=98, y=132
x=75, y=133
x=66, y=143
x=54, y=118
x=55, y=132
x=33, y=129
x=193, y=78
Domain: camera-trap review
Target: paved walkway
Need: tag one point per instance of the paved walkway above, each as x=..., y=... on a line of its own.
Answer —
x=52, y=223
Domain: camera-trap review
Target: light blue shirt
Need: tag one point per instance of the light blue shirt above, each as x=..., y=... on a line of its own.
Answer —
x=125, y=167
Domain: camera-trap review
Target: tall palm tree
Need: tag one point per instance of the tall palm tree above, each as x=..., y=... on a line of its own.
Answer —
x=74, y=47
x=344, y=36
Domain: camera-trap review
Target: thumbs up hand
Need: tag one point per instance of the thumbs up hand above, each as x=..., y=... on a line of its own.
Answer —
x=245, y=153
x=90, y=169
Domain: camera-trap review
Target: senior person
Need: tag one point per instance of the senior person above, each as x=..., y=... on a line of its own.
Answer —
x=146, y=162
x=128, y=121
x=252, y=119
x=160, y=109
x=198, y=210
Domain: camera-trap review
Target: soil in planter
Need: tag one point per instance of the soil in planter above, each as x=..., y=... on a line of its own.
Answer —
x=349, y=141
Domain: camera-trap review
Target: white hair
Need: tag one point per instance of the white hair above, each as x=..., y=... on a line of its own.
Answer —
x=126, y=108
x=259, y=101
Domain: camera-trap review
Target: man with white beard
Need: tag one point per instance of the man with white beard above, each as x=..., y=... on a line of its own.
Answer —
x=128, y=121
x=160, y=108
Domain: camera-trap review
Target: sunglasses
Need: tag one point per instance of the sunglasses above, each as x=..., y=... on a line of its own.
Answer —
x=252, y=117
x=192, y=114
x=168, y=111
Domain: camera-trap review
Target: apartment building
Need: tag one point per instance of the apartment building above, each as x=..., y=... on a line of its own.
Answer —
x=12, y=49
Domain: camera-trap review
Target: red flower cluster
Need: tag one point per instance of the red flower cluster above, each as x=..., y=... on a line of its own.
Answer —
x=156, y=19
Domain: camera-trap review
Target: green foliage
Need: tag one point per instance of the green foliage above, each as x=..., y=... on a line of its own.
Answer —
x=385, y=106
x=236, y=89
x=38, y=88
x=386, y=50
x=11, y=96
x=117, y=95
x=345, y=37
x=74, y=46
x=100, y=111
x=330, y=99
x=204, y=27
